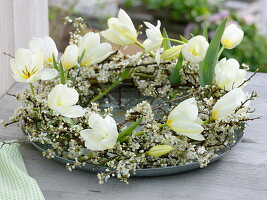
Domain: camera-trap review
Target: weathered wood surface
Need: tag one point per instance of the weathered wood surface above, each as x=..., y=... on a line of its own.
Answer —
x=20, y=21
x=242, y=174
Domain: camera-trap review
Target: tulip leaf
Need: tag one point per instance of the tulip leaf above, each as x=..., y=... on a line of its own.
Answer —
x=123, y=75
x=183, y=39
x=205, y=31
x=207, y=67
x=129, y=130
x=166, y=43
x=54, y=62
x=62, y=74
x=81, y=57
x=175, y=75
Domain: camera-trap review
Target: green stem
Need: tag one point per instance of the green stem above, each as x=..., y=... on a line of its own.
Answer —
x=139, y=133
x=141, y=46
x=66, y=75
x=220, y=52
x=162, y=125
x=62, y=74
x=208, y=120
x=173, y=40
x=32, y=89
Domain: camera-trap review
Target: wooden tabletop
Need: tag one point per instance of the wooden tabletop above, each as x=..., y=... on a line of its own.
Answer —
x=242, y=174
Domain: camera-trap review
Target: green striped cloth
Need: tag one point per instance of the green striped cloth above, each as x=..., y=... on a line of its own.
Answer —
x=15, y=182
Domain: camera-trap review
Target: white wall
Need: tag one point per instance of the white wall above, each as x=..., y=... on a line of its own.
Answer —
x=20, y=20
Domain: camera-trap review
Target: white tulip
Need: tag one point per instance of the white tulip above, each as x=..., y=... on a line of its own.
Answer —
x=228, y=103
x=183, y=119
x=94, y=51
x=120, y=30
x=27, y=66
x=70, y=57
x=63, y=99
x=232, y=36
x=172, y=53
x=47, y=46
x=102, y=135
x=154, y=36
x=228, y=75
x=195, y=50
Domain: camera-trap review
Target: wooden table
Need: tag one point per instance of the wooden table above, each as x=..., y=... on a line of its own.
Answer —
x=242, y=174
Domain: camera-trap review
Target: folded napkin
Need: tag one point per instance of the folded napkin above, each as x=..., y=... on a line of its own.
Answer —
x=15, y=182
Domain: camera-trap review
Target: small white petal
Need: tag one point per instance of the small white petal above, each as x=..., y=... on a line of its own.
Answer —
x=48, y=74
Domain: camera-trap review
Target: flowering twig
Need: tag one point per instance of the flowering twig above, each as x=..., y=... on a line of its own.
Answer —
x=256, y=71
x=3, y=143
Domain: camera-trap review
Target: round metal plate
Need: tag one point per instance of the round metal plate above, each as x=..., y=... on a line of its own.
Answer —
x=151, y=171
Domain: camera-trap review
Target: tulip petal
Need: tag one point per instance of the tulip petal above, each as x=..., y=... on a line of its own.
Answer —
x=72, y=111
x=184, y=127
x=48, y=74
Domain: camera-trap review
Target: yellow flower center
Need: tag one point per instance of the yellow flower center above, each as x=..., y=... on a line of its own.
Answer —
x=169, y=121
x=227, y=43
x=26, y=73
x=214, y=113
x=194, y=52
x=49, y=60
x=59, y=103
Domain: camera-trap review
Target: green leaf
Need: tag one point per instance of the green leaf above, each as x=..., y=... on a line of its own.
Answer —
x=54, y=62
x=166, y=43
x=129, y=130
x=62, y=74
x=81, y=57
x=175, y=75
x=207, y=67
x=126, y=73
x=183, y=39
x=205, y=31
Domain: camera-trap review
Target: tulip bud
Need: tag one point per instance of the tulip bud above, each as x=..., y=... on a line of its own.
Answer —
x=70, y=57
x=172, y=53
x=120, y=30
x=228, y=103
x=232, y=36
x=91, y=51
x=183, y=119
x=47, y=46
x=195, y=50
x=159, y=150
x=154, y=36
x=228, y=75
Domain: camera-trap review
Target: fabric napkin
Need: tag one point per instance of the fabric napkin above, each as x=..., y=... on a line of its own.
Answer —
x=15, y=182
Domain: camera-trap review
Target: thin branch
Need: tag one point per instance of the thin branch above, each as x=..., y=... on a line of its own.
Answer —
x=3, y=143
x=7, y=54
x=257, y=70
x=13, y=95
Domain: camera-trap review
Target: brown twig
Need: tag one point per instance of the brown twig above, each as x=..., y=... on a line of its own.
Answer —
x=3, y=143
x=7, y=54
x=257, y=70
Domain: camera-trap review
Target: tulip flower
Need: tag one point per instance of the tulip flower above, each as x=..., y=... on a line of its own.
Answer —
x=172, y=53
x=120, y=30
x=27, y=66
x=228, y=75
x=47, y=46
x=102, y=135
x=70, y=57
x=154, y=36
x=195, y=50
x=183, y=119
x=159, y=150
x=63, y=99
x=228, y=103
x=93, y=51
x=232, y=36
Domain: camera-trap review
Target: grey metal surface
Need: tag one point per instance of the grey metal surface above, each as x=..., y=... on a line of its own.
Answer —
x=149, y=171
